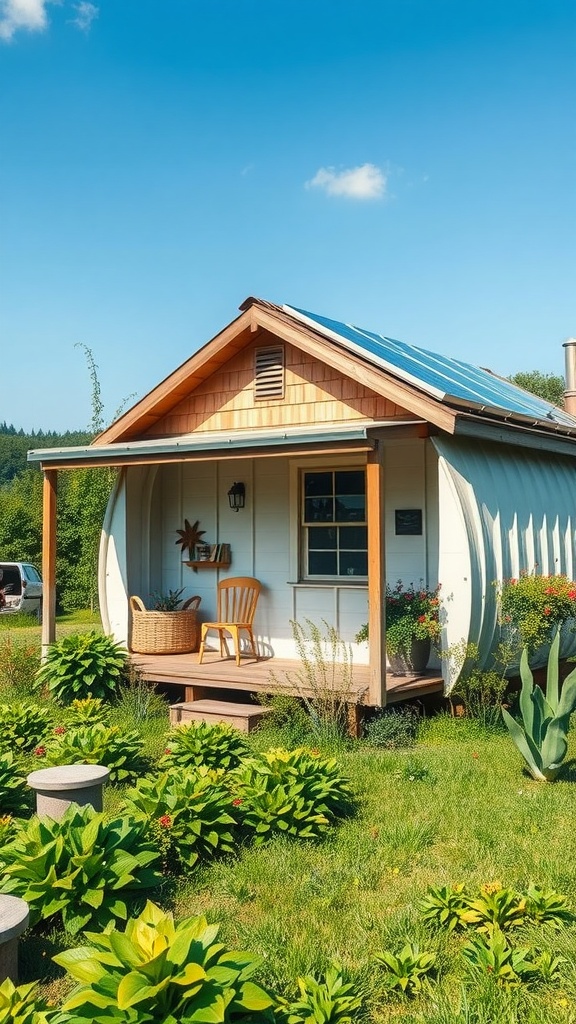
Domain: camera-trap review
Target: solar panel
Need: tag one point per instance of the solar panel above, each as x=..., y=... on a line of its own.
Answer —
x=438, y=376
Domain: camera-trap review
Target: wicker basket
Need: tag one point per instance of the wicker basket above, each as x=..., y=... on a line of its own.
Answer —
x=164, y=632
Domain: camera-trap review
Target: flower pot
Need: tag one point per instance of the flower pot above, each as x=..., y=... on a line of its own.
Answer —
x=412, y=662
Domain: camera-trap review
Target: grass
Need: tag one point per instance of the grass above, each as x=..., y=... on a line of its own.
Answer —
x=455, y=807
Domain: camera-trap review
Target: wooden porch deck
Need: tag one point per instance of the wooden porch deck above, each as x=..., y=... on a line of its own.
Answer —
x=216, y=674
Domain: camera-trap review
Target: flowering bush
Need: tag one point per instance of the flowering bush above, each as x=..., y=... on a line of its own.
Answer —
x=412, y=613
x=532, y=606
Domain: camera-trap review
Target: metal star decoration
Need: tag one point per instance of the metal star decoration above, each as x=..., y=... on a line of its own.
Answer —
x=190, y=537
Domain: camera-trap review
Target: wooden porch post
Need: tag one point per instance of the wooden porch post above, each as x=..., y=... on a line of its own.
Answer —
x=49, y=558
x=376, y=577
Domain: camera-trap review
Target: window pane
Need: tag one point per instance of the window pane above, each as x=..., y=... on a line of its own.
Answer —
x=319, y=510
x=355, y=537
x=322, y=537
x=350, y=482
x=318, y=484
x=322, y=563
x=351, y=508
x=353, y=563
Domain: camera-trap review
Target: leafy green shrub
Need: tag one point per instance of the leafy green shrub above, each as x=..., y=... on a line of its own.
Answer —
x=189, y=810
x=407, y=970
x=328, y=1001
x=541, y=729
x=297, y=793
x=444, y=906
x=83, y=665
x=393, y=728
x=492, y=906
x=215, y=746
x=107, y=745
x=8, y=829
x=21, y=1005
x=80, y=868
x=87, y=711
x=161, y=972
x=13, y=792
x=23, y=725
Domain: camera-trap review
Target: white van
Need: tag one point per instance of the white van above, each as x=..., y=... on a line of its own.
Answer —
x=21, y=584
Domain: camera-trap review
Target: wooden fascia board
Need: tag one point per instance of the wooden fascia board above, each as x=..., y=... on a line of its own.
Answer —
x=180, y=383
x=352, y=366
x=143, y=459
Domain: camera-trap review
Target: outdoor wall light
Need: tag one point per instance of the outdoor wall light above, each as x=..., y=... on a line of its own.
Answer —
x=237, y=496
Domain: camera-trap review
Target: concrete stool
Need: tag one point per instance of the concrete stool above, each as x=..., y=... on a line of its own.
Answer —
x=57, y=788
x=14, y=916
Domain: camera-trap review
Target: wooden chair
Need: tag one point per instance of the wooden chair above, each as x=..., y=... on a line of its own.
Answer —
x=237, y=600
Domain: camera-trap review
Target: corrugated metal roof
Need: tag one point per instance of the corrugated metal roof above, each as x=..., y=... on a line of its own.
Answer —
x=442, y=378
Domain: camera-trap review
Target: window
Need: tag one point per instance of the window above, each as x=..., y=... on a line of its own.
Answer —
x=335, y=538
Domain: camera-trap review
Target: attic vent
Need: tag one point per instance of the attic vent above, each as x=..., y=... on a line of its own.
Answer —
x=269, y=373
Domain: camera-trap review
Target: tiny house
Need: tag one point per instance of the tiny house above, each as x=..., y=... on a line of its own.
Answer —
x=356, y=460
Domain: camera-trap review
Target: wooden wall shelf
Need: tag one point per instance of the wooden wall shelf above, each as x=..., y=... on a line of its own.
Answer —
x=207, y=564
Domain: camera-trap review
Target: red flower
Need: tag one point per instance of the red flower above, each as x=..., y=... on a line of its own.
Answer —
x=421, y=618
x=59, y=730
x=236, y=802
x=165, y=821
x=572, y=595
x=40, y=751
x=167, y=751
x=547, y=611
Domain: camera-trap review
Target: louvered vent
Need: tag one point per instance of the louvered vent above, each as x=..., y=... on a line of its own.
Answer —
x=269, y=373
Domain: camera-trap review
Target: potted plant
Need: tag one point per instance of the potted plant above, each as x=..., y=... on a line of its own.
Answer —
x=412, y=623
x=169, y=627
x=530, y=610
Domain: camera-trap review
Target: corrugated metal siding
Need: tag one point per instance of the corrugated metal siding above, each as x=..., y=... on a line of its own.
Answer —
x=519, y=510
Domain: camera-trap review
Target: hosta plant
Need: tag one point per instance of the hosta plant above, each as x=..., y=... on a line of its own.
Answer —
x=13, y=790
x=160, y=972
x=494, y=906
x=408, y=970
x=328, y=1001
x=444, y=906
x=87, y=711
x=23, y=726
x=189, y=812
x=21, y=1004
x=79, y=870
x=491, y=954
x=200, y=743
x=540, y=731
x=296, y=793
x=8, y=829
x=107, y=745
x=544, y=906
x=83, y=665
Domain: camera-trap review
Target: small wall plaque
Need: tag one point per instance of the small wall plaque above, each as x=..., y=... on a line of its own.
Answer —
x=408, y=522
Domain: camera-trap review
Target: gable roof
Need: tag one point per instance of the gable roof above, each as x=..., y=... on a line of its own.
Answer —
x=448, y=394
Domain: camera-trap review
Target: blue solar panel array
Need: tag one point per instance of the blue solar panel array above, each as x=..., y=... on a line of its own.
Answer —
x=435, y=374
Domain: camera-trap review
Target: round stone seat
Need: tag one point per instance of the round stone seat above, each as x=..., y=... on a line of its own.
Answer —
x=14, y=917
x=56, y=788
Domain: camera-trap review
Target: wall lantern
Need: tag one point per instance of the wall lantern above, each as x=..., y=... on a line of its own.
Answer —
x=237, y=496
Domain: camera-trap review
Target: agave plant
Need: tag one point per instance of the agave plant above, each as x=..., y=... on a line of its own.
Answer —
x=541, y=731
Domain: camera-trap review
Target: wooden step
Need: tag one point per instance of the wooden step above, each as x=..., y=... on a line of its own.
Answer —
x=243, y=717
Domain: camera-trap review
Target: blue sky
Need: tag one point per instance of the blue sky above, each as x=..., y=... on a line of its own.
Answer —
x=405, y=165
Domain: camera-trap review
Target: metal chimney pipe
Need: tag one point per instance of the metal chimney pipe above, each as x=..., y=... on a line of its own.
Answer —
x=570, y=364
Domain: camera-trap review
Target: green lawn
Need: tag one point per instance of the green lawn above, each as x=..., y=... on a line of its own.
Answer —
x=455, y=808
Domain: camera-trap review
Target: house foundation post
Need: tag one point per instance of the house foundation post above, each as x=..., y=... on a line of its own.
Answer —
x=49, y=559
x=376, y=576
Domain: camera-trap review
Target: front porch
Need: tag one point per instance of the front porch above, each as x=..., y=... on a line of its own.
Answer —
x=217, y=677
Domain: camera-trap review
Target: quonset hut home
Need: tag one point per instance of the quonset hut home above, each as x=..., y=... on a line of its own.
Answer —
x=360, y=459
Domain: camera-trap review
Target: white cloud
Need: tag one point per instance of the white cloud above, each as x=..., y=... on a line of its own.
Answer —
x=22, y=14
x=85, y=14
x=365, y=182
